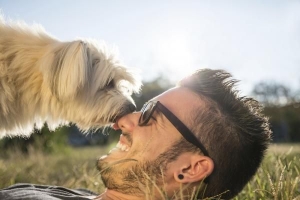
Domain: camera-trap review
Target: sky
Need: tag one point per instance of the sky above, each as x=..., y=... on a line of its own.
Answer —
x=254, y=40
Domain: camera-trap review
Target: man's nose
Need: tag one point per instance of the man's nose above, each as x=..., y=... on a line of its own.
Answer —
x=128, y=122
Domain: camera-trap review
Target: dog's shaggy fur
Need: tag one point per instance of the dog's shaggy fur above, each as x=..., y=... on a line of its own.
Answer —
x=45, y=80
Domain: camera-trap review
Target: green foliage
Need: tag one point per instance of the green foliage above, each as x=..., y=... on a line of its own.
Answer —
x=151, y=89
x=274, y=94
x=282, y=106
x=285, y=122
x=44, y=140
x=54, y=142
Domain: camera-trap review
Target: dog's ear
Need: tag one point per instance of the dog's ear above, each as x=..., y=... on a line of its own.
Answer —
x=65, y=68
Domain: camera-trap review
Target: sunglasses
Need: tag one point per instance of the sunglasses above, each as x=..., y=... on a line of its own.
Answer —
x=149, y=108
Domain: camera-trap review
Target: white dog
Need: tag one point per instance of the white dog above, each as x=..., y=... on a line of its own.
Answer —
x=45, y=80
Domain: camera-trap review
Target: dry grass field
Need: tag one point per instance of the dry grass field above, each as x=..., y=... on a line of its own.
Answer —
x=278, y=178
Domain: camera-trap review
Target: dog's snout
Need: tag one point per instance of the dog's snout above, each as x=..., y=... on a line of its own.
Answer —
x=128, y=108
x=132, y=108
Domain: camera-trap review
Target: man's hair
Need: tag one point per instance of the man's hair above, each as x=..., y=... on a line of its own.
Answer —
x=233, y=130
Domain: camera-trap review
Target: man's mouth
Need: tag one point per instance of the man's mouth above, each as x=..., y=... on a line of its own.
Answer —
x=123, y=147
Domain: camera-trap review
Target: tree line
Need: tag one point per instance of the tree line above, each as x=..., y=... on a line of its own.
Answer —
x=281, y=105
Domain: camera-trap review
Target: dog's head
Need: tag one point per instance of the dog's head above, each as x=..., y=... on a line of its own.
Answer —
x=93, y=87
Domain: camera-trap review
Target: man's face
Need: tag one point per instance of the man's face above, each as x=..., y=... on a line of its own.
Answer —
x=144, y=150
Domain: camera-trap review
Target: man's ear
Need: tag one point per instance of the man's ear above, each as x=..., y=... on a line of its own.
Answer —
x=192, y=168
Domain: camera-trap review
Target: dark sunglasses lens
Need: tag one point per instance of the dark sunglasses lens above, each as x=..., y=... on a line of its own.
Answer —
x=146, y=112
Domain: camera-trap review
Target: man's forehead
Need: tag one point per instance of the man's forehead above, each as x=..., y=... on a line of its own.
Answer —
x=175, y=94
x=180, y=101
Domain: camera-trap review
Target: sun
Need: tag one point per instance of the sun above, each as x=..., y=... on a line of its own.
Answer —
x=174, y=53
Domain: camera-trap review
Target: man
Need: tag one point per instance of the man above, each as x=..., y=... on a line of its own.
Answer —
x=196, y=140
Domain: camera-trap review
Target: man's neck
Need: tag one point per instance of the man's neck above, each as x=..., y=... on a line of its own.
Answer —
x=114, y=195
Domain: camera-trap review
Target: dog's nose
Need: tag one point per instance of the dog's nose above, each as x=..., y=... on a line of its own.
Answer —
x=132, y=107
x=127, y=109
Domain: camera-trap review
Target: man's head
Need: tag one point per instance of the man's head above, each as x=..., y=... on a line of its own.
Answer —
x=232, y=137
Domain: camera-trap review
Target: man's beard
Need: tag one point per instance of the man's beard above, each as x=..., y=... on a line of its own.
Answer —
x=140, y=177
x=136, y=179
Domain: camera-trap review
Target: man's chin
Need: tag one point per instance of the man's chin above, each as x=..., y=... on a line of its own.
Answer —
x=105, y=172
x=114, y=178
x=101, y=164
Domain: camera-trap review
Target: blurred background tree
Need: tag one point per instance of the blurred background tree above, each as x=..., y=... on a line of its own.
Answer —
x=151, y=89
x=281, y=105
x=274, y=94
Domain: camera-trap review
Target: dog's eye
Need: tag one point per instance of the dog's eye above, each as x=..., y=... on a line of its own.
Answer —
x=110, y=84
x=95, y=62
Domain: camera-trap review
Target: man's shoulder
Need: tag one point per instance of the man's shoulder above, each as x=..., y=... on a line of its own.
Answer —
x=46, y=192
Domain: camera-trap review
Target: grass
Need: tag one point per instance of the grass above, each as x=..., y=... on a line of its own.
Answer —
x=278, y=178
x=74, y=169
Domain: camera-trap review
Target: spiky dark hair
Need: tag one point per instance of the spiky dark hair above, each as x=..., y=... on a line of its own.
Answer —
x=233, y=130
